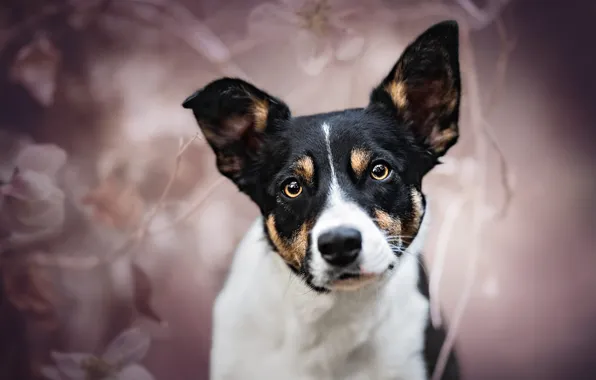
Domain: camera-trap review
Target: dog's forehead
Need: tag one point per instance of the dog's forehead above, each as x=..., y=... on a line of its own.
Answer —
x=338, y=134
x=340, y=131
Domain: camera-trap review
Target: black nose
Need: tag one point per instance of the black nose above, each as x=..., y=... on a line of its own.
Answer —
x=340, y=246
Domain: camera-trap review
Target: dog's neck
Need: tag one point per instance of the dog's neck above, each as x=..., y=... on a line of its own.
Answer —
x=310, y=307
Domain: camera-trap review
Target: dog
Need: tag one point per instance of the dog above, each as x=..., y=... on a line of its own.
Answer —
x=329, y=283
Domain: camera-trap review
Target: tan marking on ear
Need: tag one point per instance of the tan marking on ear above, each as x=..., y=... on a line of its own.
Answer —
x=392, y=226
x=208, y=134
x=417, y=208
x=359, y=159
x=291, y=250
x=397, y=92
x=261, y=112
x=305, y=169
x=412, y=223
x=452, y=105
x=228, y=164
x=439, y=140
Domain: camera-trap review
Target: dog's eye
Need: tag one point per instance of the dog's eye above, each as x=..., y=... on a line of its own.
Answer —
x=380, y=171
x=292, y=189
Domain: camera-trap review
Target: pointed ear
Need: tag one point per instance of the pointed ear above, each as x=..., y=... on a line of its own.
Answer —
x=235, y=117
x=423, y=89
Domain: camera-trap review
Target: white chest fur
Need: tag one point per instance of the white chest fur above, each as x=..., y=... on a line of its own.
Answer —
x=269, y=325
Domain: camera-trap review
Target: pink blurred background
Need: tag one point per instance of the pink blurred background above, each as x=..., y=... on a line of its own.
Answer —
x=103, y=81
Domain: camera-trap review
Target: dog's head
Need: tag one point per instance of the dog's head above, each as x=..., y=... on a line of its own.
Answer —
x=340, y=192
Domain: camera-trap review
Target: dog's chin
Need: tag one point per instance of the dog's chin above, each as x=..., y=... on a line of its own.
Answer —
x=350, y=282
x=354, y=282
x=373, y=267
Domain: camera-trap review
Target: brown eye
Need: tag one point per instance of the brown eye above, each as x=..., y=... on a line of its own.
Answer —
x=380, y=172
x=292, y=189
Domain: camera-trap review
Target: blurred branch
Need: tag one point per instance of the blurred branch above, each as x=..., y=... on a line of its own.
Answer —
x=192, y=31
x=178, y=21
x=133, y=241
x=454, y=210
x=507, y=47
x=483, y=17
x=480, y=216
x=142, y=231
x=197, y=205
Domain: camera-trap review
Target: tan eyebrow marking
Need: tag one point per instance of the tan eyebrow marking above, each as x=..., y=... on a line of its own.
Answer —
x=359, y=160
x=305, y=169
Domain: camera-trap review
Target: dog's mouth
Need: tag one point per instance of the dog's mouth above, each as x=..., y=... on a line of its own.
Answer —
x=350, y=281
x=353, y=281
x=347, y=276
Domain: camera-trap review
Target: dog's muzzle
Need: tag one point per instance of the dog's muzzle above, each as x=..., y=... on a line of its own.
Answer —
x=340, y=246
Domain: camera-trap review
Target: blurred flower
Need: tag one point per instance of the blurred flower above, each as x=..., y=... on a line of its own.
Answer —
x=31, y=290
x=32, y=204
x=36, y=67
x=119, y=361
x=42, y=158
x=480, y=18
x=318, y=28
x=115, y=202
x=177, y=19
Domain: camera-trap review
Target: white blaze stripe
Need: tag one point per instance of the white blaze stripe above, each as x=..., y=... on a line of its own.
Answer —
x=334, y=191
x=376, y=253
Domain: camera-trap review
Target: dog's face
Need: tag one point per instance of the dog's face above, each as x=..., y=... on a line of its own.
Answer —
x=340, y=193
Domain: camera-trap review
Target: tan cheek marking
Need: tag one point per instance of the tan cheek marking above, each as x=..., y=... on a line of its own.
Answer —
x=392, y=226
x=293, y=250
x=397, y=91
x=417, y=202
x=261, y=111
x=359, y=159
x=412, y=224
x=305, y=169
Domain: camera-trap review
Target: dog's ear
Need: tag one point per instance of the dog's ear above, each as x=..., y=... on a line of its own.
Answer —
x=235, y=117
x=423, y=89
